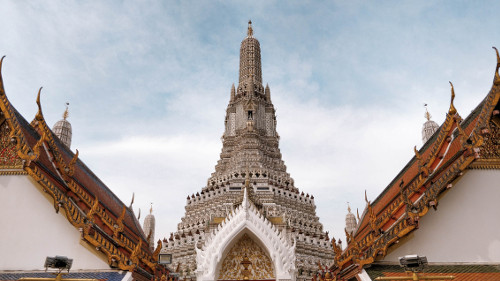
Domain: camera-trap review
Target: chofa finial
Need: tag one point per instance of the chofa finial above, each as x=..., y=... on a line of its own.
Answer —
x=452, y=110
x=250, y=30
x=39, y=115
x=497, y=77
x=1, y=61
x=132, y=201
x=2, y=91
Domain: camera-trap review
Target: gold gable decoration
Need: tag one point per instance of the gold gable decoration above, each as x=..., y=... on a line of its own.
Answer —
x=246, y=261
x=8, y=152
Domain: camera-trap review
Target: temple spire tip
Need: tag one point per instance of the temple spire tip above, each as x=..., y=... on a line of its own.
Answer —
x=250, y=29
x=427, y=114
x=66, y=112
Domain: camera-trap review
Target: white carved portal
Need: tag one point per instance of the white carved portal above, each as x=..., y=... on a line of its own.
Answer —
x=245, y=220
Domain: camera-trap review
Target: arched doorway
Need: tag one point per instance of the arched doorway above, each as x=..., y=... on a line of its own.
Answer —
x=246, y=260
x=275, y=249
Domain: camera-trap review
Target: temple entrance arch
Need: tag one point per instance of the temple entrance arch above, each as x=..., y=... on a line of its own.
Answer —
x=246, y=219
x=245, y=259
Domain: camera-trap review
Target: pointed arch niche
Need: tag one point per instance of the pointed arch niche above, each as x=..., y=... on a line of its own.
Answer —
x=245, y=223
x=245, y=259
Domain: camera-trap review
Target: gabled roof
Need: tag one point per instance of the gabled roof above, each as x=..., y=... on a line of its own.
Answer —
x=89, y=205
x=459, y=144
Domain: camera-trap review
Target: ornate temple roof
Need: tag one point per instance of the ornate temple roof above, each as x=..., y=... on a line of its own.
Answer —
x=459, y=144
x=89, y=205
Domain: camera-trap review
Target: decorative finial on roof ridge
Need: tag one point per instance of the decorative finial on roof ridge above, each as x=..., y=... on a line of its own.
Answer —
x=348, y=207
x=1, y=62
x=39, y=115
x=452, y=110
x=2, y=90
x=250, y=29
x=151, y=209
x=66, y=112
x=497, y=77
x=132, y=201
x=417, y=154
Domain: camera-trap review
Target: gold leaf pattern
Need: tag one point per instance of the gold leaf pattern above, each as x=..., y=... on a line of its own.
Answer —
x=491, y=149
x=8, y=152
x=260, y=268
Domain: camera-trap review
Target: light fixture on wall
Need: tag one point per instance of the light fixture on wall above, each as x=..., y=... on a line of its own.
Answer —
x=165, y=258
x=59, y=262
x=413, y=263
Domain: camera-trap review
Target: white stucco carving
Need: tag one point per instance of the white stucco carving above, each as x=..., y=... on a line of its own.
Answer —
x=246, y=218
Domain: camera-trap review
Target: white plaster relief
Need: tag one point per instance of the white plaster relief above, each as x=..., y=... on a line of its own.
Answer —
x=246, y=218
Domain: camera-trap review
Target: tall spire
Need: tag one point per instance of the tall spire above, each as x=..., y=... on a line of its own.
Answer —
x=149, y=227
x=350, y=221
x=250, y=57
x=250, y=140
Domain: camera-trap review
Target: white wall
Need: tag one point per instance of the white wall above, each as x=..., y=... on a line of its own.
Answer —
x=30, y=229
x=465, y=227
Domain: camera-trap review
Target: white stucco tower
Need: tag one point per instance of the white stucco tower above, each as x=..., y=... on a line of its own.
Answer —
x=250, y=221
x=429, y=127
x=350, y=221
x=149, y=228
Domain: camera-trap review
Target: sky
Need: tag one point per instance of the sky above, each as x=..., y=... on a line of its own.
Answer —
x=148, y=83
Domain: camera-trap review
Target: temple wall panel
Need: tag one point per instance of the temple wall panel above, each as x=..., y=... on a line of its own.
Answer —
x=461, y=230
x=31, y=229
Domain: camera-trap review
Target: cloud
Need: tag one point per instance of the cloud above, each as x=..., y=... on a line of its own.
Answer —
x=148, y=86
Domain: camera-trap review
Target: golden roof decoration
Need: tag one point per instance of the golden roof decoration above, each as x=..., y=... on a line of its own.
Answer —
x=497, y=77
x=452, y=110
x=458, y=146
